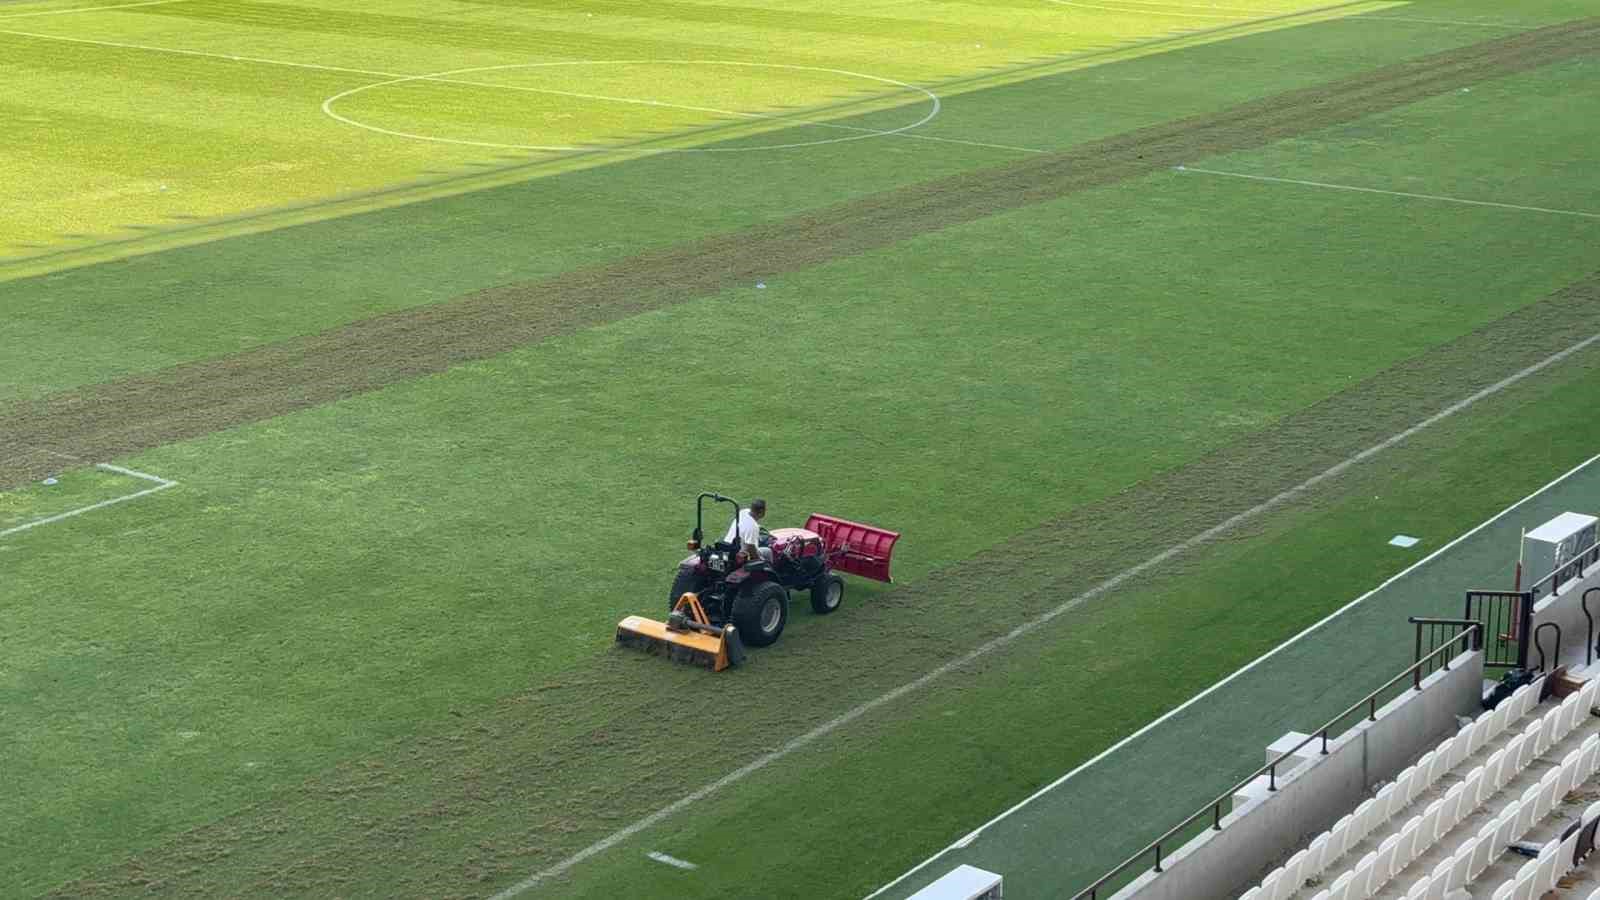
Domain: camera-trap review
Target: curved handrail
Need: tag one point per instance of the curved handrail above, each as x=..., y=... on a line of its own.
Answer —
x=1539, y=644
x=1588, y=647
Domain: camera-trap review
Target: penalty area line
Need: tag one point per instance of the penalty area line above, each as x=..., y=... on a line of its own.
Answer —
x=998, y=643
x=161, y=484
x=672, y=861
x=1437, y=198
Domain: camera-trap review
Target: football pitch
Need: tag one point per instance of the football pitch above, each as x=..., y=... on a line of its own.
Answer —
x=362, y=361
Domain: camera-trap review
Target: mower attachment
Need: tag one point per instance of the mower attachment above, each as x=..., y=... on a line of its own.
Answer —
x=686, y=636
x=855, y=548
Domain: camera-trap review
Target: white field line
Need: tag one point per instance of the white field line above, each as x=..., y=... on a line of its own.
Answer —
x=1147, y=12
x=973, y=835
x=673, y=861
x=1031, y=625
x=85, y=9
x=161, y=485
x=397, y=76
x=1383, y=18
x=1365, y=190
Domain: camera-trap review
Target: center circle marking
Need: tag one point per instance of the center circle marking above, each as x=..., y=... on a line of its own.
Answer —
x=933, y=110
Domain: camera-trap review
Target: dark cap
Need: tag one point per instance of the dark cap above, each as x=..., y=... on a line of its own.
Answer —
x=758, y=505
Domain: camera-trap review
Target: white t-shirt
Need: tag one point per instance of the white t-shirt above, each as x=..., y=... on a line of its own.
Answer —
x=747, y=530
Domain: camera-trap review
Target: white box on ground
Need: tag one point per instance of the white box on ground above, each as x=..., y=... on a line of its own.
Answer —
x=1260, y=788
x=1556, y=543
x=1288, y=742
x=964, y=882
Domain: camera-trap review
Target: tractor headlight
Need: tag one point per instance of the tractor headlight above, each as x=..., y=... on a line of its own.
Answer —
x=717, y=562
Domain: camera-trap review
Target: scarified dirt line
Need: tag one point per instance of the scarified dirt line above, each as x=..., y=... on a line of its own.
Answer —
x=122, y=417
x=540, y=775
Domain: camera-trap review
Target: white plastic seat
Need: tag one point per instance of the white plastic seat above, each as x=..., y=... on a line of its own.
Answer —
x=1508, y=762
x=1446, y=751
x=1415, y=784
x=1487, y=850
x=1480, y=733
x=1425, y=768
x=1548, y=728
x=1590, y=688
x=1497, y=719
x=1473, y=791
x=1410, y=836
x=1441, y=872
x=1383, y=868
x=1316, y=854
x=1293, y=876
x=1569, y=773
x=1530, y=747
x=1591, y=752
x=1459, y=745
x=1451, y=814
x=1545, y=874
x=1252, y=894
x=1362, y=886
x=1524, y=881
x=1440, y=764
x=1547, y=795
x=1503, y=892
x=1341, y=887
x=1569, y=714
x=1564, y=863
x=1338, y=840
x=1419, y=889
x=1268, y=889
x=1522, y=701
x=1369, y=816
x=1430, y=826
x=1461, y=865
x=1525, y=813
x=1437, y=888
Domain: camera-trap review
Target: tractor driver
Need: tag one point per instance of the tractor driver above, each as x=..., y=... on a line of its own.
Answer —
x=746, y=530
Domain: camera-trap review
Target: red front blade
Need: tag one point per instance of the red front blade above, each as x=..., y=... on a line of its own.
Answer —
x=855, y=548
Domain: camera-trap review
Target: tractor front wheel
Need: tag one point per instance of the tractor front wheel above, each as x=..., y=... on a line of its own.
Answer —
x=686, y=583
x=827, y=593
x=760, y=612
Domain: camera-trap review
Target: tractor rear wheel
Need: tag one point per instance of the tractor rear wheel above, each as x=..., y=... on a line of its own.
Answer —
x=760, y=612
x=685, y=583
x=827, y=593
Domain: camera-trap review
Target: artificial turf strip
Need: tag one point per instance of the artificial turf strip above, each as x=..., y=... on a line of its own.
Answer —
x=119, y=418
x=578, y=767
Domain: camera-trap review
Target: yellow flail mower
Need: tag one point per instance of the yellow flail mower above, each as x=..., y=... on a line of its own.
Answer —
x=721, y=601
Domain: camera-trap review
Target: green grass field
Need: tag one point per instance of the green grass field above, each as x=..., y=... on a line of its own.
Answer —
x=438, y=364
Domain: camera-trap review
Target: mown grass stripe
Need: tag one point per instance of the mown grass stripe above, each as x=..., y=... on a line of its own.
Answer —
x=122, y=417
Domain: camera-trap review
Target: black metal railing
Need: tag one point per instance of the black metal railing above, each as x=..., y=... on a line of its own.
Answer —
x=1589, y=646
x=1472, y=637
x=1566, y=571
x=1431, y=635
x=1539, y=643
x=1507, y=618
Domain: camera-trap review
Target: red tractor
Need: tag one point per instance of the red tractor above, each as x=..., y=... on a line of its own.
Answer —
x=718, y=585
